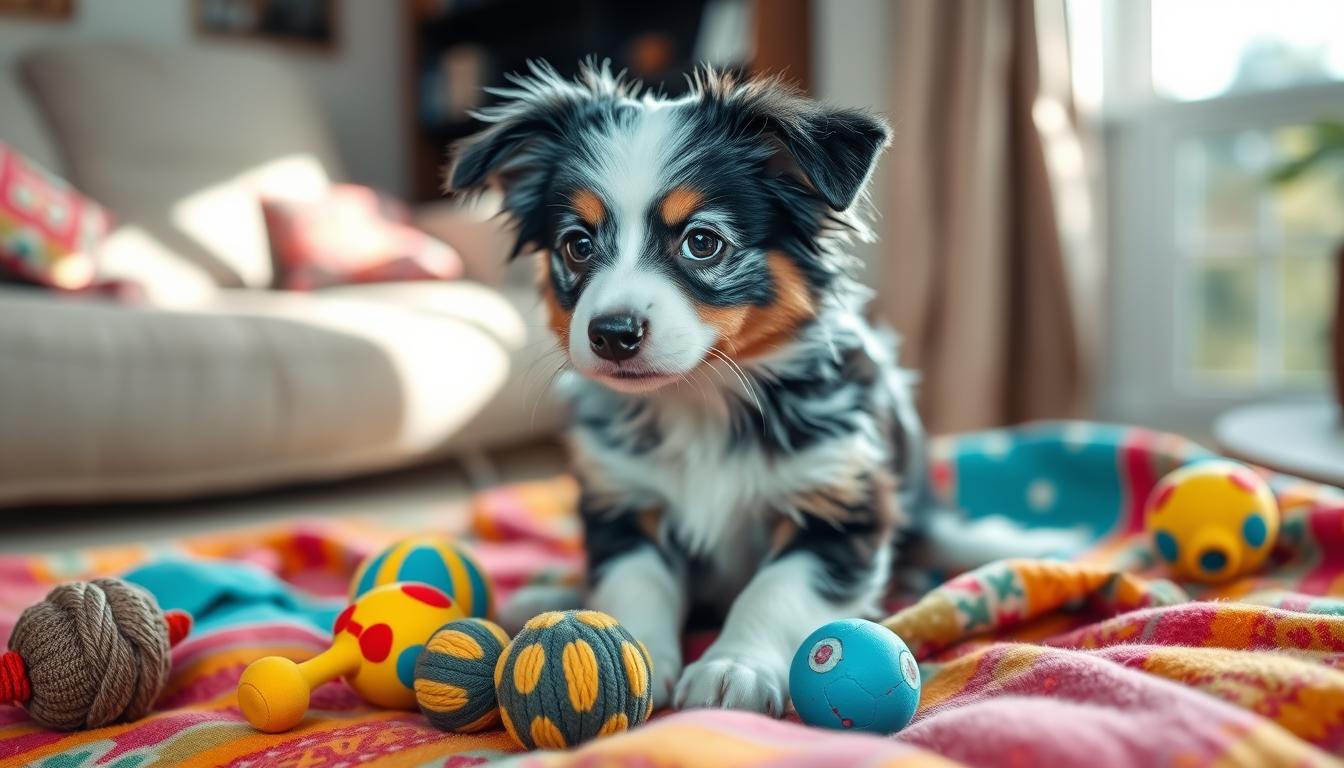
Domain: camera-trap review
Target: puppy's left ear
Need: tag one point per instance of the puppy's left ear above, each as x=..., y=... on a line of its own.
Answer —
x=520, y=147
x=836, y=149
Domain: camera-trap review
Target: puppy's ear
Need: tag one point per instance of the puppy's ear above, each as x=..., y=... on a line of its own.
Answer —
x=834, y=149
x=526, y=136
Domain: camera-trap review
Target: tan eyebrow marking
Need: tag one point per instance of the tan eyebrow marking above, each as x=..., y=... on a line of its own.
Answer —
x=589, y=206
x=679, y=204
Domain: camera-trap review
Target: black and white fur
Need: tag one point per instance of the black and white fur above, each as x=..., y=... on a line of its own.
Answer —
x=771, y=488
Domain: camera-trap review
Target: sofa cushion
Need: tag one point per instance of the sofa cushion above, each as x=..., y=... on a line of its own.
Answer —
x=182, y=144
x=254, y=389
x=49, y=233
x=525, y=406
x=353, y=235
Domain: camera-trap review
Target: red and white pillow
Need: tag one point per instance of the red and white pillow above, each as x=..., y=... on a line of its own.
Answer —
x=48, y=232
x=353, y=235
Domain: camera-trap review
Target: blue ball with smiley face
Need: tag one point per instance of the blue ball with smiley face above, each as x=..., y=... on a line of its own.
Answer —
x=854, y=675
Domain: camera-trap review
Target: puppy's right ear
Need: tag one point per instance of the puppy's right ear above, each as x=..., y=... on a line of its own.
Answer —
x=520, y=150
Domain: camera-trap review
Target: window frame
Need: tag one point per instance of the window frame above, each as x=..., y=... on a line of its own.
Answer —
x=1143, y=134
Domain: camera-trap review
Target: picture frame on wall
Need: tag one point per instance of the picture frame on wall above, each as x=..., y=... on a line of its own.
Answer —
x=38, y=9
x=299, y=23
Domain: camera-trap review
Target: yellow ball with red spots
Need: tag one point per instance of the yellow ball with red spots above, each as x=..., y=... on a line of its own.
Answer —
x=571, y=676
x=1213, y=521
x=388, y=628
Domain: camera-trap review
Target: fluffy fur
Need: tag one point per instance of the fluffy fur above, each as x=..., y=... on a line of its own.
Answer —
x=758, y=455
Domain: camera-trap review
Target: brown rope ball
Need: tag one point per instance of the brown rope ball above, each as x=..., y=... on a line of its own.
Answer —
x=91, y=654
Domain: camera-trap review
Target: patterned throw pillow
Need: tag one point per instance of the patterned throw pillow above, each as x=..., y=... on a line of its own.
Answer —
x=48, y=231
x=354, y=235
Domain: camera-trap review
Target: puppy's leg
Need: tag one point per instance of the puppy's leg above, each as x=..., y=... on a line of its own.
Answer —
x=642, y=592
x=634, y=582
x=822, y=577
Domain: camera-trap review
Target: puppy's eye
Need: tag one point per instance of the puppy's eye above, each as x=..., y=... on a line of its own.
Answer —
x=577, y=249
x=702, y=247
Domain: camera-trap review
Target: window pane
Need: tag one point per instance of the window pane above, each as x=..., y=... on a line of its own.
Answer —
x=1308, y=287
x=1224, y=322
x=1205, y=48
x=1311, y=205
x=1237, y=228
x=1223, y=176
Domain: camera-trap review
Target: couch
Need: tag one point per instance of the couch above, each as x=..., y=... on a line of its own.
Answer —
x=216, y=382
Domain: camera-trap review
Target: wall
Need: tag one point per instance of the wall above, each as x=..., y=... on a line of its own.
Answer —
x=360, y=83
x=850, y=69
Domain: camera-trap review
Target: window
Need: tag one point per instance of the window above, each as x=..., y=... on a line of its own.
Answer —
x=1222, y=280
x=1255, y=260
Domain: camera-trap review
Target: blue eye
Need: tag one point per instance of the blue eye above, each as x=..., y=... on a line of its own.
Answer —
x=702, y=246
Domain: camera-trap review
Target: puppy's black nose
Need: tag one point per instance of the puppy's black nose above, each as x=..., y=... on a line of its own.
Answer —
x=616, y=336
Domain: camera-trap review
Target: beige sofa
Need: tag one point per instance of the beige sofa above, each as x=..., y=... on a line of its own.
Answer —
x=218, y=383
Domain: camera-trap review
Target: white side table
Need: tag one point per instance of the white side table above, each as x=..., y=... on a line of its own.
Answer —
x=1303, y=439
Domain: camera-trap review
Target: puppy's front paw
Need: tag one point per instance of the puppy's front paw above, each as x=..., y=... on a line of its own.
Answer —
x=735, y=681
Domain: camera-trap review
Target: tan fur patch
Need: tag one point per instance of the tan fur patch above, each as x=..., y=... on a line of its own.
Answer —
x=782, y=535
x=679, y=204
x=872, y=490
x=589, y=207
x=649, y=521
x=749, y=332
x=557, y=316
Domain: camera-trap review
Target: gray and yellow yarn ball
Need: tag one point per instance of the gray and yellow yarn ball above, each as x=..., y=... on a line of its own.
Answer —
x=454, y=676
x=570, y=676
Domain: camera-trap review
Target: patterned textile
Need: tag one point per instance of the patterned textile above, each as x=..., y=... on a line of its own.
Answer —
x=354, y=235
x=1097, y=662
x=48, y=231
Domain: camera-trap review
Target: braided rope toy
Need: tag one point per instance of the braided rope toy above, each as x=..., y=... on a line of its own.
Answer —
x=91, y=654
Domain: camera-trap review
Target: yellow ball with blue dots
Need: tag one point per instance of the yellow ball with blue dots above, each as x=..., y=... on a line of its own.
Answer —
x=571, y=676
x=1213, y=520
x=434, y=560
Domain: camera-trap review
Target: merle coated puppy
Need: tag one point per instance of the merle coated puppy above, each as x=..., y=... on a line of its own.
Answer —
x=744, y=439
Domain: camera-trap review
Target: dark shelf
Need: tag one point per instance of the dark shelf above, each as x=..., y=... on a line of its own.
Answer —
x=653, y=41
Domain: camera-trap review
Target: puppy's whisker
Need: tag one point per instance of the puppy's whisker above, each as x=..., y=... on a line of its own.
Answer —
x=704, y=399
x=530, y=379
x=550, y=381
x=744, y=378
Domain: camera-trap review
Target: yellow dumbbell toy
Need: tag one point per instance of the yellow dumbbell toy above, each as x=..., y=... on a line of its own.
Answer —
x=376, y=643
x=1213, y=521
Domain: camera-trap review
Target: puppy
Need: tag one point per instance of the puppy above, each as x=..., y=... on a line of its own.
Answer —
x=744, y=439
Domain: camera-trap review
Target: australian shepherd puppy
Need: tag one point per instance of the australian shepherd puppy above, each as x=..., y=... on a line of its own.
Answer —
x=744, y=439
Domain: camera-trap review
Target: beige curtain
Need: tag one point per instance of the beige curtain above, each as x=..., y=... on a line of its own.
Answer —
x=996, y=303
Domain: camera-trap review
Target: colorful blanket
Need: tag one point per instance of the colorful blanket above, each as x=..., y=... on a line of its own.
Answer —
x=1095, y=662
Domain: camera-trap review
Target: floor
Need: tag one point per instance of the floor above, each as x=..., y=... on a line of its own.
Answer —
x=405, y=497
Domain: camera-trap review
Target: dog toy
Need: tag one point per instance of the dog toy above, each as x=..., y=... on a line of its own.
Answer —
x=432, y=560
x=855, y=675
x=91, y=654
x=377, y=640
x=455, y=676
x=570, y=676
x=1213, y=521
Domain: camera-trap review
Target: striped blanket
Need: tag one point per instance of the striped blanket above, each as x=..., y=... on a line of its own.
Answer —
x=1096, y=662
